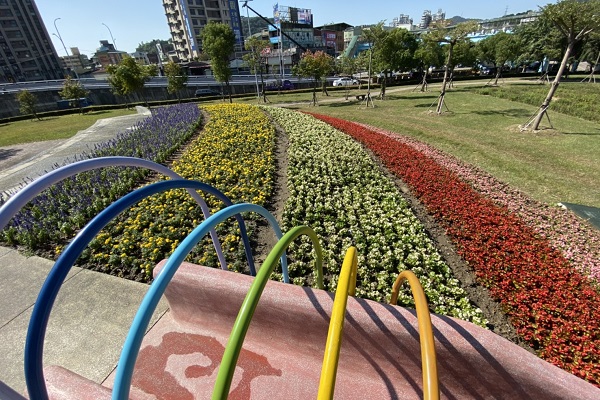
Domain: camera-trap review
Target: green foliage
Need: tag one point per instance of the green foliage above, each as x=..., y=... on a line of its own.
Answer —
x=27, y=102
x=314, y=65
x=429, y=52
x=254, y=58
x=176, y=78
x=395, y=51
x=218, y=41
x=464, y=53
x=499, y=48
x=129, y=77
x=257, y=24
x=72, y=90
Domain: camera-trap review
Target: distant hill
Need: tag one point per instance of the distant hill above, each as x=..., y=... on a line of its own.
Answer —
x=256, y=24
x=457, y=20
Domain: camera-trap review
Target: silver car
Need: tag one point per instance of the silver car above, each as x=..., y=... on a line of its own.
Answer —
x=345, y=81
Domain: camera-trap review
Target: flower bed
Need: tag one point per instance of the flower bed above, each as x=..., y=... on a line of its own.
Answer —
x=235, y=154
x=552, y=306
x=338, y=190
x=578, y=241
x=53, y=216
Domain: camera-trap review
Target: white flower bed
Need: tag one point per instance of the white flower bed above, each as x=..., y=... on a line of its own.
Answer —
x=338, y=190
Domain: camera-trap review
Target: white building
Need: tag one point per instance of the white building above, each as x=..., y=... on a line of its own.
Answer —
x=186, y=18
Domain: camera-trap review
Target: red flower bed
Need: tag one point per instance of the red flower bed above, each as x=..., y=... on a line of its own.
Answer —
x=552, y=306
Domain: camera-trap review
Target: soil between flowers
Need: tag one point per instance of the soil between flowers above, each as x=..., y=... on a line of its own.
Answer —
x=499, y=323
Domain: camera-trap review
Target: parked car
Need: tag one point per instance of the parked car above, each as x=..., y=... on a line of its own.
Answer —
x=487, y=70
x=206, y=93
x=279, y=85
x=74, y=103
x=345, y=81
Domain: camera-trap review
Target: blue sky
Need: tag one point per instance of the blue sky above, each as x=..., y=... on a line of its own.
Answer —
x=134, y=21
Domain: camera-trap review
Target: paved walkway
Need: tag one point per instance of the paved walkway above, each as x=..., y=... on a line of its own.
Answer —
x=93, y=311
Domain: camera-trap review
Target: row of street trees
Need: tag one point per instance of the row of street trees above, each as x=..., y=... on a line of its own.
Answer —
x=567, y=30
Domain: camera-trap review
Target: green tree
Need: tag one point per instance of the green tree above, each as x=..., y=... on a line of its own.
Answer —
x=73, y=91
x=395, y=52
x=429, y=53
x=591, y=54
x=464, y=54
x=218, y=41
x=28, y=103
x=575, y=20
x=498, y=49
x=375, y=35
x=176, y=79
x=128, y=77
x=314, y=65
x=255, y=60
x=539, y=39
x=451, y=37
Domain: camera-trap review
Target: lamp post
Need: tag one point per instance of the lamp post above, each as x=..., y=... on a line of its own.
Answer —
x=250, y=34
x=60, y=37
x=111, y=36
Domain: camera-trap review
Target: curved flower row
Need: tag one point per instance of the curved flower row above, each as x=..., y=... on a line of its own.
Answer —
x=234, y=154
x=553, y=307
x=578, y=241
x=338, y=190
x=54, y=215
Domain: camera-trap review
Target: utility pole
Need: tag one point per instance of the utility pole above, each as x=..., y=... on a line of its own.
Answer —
x=60, y=37
x=111, y=36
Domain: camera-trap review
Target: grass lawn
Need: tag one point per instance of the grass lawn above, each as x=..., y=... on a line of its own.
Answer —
x=50, y=128
x=550, y=165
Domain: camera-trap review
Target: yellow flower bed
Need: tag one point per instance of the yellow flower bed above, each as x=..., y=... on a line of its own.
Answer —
x=235, y=154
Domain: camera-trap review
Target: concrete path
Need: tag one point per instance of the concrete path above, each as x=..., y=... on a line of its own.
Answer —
x=93, y=311
x=45, y=156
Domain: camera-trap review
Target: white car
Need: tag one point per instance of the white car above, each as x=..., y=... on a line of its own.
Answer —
x=345, y=81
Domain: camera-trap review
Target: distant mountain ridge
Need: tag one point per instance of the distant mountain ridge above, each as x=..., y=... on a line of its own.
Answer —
x=457, y=20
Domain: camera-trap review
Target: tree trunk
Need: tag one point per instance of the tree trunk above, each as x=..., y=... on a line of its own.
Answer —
x=325, y=92
x=553, y=87
x=497, y=76
x=382, y=91
x=228, y=91
x=424, y=81
x=444, y=83
x=314, y=97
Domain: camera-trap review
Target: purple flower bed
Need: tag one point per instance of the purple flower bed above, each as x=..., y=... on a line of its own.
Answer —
x=578, y=242
x=58, y=212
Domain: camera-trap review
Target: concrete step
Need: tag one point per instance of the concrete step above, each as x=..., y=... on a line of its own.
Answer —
x=283, y=351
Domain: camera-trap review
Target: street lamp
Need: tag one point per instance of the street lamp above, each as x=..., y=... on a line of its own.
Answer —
x=59, y=37
x=250, y=34
x=111, y=36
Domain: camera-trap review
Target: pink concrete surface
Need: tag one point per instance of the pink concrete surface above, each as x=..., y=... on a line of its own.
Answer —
x=283, y=350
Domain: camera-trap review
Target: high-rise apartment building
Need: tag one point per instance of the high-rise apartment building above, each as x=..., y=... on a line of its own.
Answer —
x=186, y=18
x=26, y=51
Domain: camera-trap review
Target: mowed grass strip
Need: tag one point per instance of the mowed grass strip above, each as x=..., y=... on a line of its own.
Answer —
x=551, y=165
x=51, y=128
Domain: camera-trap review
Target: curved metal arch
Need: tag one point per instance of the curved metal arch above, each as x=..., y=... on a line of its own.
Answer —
x=18, y=201
x=140, y=323
x=34, y=345
x=242, y=322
